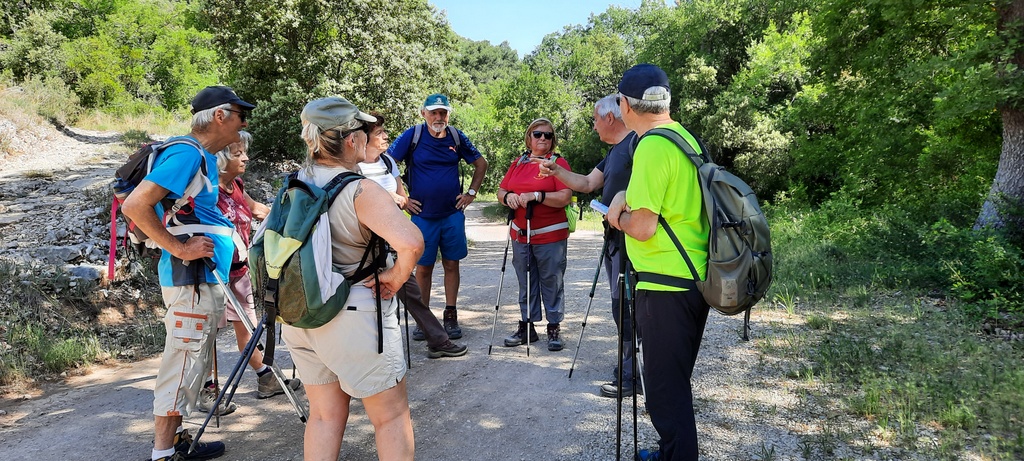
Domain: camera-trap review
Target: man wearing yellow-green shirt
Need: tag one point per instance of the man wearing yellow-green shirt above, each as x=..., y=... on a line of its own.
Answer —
x=670, y=312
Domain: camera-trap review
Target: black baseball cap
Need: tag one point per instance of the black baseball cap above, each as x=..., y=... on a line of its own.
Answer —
x=639, y=78
x=213, y=96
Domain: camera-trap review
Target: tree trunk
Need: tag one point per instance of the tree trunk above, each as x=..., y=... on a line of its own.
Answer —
x=1004, y=207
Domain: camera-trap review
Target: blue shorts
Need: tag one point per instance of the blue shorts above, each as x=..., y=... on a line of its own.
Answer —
x=449, y=233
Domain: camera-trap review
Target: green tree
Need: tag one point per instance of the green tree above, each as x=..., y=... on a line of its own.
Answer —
x=485, y=62
x=385, y=56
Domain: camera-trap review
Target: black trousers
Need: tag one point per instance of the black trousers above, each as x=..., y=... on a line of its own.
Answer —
x=672, y=324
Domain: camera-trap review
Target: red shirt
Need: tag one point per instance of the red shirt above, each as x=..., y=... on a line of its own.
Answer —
x=521, y=177
x=236, y=209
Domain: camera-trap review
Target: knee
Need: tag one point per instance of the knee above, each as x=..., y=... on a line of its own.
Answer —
x=450, y=266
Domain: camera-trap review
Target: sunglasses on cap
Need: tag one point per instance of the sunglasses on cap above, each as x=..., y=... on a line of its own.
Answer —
x=241, y=114
x=546, y=134
x=365, y=128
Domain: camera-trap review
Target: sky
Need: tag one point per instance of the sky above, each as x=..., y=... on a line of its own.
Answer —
x=522, y=23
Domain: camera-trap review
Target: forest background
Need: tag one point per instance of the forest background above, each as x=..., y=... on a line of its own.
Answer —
x=885, y=139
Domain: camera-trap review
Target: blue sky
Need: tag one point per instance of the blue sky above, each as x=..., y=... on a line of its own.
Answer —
x=522, y=23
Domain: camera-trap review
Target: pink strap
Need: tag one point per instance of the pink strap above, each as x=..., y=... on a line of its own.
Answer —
x=113, y=237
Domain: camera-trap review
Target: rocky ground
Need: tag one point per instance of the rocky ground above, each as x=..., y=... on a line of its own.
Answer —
x=490, y=404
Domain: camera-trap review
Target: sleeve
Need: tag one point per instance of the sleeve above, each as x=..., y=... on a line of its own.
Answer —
x=170, y=165
x=507, y=179
x=400, y=146
x=600, y=166
x=467, y=150
x=651, y=172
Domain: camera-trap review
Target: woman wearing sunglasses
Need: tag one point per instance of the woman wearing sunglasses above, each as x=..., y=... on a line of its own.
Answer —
x=539, y=242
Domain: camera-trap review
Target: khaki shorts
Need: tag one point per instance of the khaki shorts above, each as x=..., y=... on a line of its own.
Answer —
x=241, y=288
x=188, y=350
x=344, y=350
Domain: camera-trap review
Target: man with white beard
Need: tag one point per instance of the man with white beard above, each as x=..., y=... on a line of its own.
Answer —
x=437, y=201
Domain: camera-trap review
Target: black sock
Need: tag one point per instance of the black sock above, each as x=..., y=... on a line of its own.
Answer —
x=450, y=307
x=209, y=383
x=264, y=372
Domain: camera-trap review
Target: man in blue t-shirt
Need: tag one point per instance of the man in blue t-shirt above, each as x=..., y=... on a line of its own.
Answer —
x=194, y=300
x=612, y=175
x=436, y=199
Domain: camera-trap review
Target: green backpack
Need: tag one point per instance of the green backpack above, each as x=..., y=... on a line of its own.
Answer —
x=291, y=258
x=739, y=269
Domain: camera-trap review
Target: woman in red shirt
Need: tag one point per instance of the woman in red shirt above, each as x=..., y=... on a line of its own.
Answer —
x=523, y=189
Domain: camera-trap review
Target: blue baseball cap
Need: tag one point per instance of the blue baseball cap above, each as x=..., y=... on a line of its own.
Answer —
x=437, y=101
x=639, y=78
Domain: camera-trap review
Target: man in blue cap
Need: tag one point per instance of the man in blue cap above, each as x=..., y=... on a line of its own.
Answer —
x=194, y=300
x=437, y=200
x=670, y=312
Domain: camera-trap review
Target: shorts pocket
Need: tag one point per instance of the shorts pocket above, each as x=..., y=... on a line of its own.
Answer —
x=188, y=330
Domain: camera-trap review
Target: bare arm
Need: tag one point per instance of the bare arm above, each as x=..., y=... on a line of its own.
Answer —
x=639, y=224
x=480, y=165
x=400, y=195
x=374, y=209
x=139, y=208
x=575, y=181
x=259, y=210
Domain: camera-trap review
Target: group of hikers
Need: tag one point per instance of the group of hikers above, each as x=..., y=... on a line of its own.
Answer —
x=641, y=179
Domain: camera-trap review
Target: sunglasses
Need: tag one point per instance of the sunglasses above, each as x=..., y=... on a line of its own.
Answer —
x=241, y=114
x=546, y=134
x=364, y=128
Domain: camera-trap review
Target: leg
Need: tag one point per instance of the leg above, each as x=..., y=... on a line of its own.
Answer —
x=392, y=423
x=674, y=337
x=242, y=336
x=328, y=415
x=452, y=278
x=166, y=426
x=423, y=279
x=432, y=329
x=550, y=259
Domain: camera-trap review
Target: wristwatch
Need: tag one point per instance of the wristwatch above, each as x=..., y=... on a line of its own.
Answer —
x=471, y=192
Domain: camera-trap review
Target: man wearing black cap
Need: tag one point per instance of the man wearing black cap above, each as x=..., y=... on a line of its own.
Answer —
x=671, y=316
x=198, y=230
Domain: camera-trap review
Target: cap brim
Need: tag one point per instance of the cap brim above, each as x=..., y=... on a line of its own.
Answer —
x=244, y=105
x=436, y=106
x=365, y=117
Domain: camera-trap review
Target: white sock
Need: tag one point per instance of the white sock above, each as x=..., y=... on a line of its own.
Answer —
x=157, y=454
x=261, y=369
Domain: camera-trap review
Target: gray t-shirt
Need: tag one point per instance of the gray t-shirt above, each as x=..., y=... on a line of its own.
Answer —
x=616, y=167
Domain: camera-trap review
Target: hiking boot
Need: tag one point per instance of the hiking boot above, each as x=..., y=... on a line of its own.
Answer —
x=451, y=323
x=204, y=450
x=516, y=338
x=269, y=386
x=447, y=349
x=418, y=334
x=208, y=396
x=611, y=390
x=554, y=340
x=648, y=455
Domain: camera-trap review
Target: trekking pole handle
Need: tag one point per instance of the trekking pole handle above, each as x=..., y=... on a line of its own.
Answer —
x=529, y=210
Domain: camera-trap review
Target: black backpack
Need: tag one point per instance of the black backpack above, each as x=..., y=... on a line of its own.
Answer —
x=739, y=269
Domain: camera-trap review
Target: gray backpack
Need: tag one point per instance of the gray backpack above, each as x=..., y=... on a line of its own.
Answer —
x=739, y=269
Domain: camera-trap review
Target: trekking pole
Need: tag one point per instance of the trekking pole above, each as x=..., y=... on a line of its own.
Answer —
x=216, y=383
x=618, y=379
x=631, y=302
x=408, y=353
x=593, y=287
x=288, y=392
x=501, y=279
x=529, y=257
x=236, y=377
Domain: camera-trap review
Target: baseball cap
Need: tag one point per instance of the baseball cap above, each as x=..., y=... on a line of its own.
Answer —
x=639, y=78
x=335, y=112
x=213, y=96
x=437, y=101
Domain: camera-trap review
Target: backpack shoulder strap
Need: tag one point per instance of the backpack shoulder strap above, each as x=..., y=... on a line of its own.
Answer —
x=338, y=183
x=698, y=159
x=417, y=132
x=389, y=163
x=455, y=137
